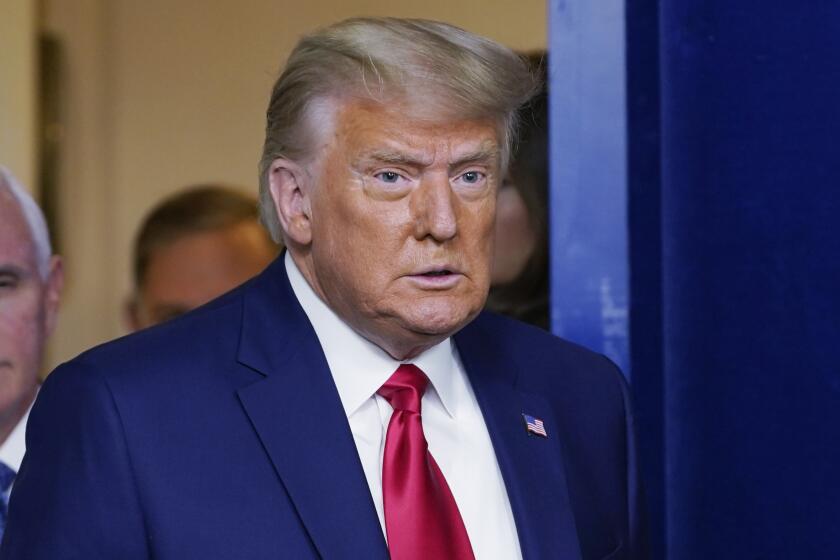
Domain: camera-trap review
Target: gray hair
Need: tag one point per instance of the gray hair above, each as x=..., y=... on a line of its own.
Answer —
x=34, y=218
x=432, y=65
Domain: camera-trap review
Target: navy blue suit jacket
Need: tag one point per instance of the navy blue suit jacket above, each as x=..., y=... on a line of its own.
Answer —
x=221, y=435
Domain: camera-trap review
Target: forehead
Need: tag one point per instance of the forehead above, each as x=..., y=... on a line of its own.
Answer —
x=16, y=244
x=201, y=265
x=363, y=126
x=213, y=248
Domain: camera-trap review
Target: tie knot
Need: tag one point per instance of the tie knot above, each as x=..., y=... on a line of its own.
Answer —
x=405, y=388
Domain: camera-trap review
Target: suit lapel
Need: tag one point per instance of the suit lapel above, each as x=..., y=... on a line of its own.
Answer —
x=531, y=466
x=297, y=414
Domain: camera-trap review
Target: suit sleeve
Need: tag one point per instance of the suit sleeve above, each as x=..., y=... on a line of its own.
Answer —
x=75, y=496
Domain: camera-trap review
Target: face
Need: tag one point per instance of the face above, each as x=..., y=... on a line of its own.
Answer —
x=28, y=308
x=396, y=233
x=197, y=268
x=515, y=236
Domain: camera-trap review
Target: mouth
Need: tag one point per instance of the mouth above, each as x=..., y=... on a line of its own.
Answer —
x=433, y=270
x=436, y=278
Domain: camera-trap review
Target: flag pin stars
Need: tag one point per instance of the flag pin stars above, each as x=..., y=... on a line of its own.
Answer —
x=534, y=426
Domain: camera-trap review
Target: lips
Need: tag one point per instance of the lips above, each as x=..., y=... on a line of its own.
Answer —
x=436, y=270
x=436, y=278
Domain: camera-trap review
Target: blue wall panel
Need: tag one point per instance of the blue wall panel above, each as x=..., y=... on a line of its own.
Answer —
x=589, y=270
x=749, y=387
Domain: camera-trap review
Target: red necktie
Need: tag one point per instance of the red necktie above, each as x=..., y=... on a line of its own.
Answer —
x=421, y=517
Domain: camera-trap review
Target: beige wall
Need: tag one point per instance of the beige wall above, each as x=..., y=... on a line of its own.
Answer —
x=18, y=63
x=163, y=93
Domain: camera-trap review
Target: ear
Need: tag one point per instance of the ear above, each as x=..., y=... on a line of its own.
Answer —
x=288, y=182
x=52, y=292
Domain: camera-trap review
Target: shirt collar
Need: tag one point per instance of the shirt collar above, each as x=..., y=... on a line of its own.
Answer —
x=358, y=378
x=13, y=449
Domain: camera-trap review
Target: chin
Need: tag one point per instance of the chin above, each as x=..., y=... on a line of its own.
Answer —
x=440, y=322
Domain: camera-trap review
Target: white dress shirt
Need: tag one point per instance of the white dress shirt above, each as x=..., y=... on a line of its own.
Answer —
x=452, y=422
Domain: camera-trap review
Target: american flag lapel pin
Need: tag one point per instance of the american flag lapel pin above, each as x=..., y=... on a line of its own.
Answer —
x=534, y=426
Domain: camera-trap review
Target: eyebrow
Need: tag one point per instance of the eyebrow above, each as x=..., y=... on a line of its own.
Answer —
x=394, y=158
x=479, y=155
x=398, y=158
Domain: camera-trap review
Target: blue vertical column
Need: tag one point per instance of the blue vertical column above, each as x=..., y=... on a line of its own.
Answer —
x=747, y=108
x=588, y=217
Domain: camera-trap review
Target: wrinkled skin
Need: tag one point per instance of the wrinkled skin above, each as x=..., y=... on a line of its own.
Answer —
x=391, y=222
x=28, y=311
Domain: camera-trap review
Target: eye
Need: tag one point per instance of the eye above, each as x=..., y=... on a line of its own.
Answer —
x=472, y=177
x=388, y=183
x=8, y=281
x=388, y=176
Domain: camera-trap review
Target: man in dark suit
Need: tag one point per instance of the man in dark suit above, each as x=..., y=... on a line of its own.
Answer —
x=352, y=401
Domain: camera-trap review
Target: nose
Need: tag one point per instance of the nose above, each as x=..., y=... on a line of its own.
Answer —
x=435, y=210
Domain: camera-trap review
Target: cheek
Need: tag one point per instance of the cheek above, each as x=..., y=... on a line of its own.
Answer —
x=358, y=229
x=21, y=328
x=367, y=254
x=356, y=250
x=479, y=229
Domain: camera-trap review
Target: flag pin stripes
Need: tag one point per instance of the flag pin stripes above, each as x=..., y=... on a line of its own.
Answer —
x=534, y=425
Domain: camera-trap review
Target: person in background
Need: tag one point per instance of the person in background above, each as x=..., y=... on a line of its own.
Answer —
x=519, y=278
x=191, y=248
x=30, y=287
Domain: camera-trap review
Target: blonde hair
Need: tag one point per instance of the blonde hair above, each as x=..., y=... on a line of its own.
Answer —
x=435, y=66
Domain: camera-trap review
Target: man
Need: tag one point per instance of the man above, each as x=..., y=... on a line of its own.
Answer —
x=30, y=286
x=349, y=402
x=193, y=247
